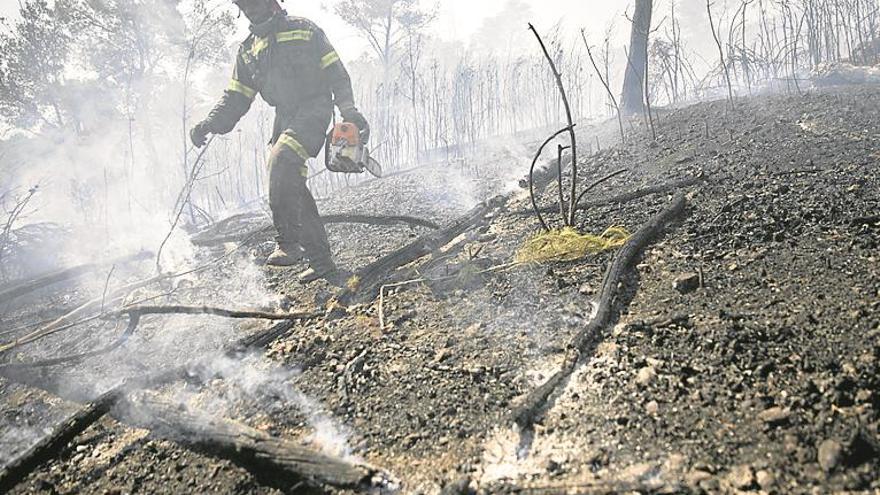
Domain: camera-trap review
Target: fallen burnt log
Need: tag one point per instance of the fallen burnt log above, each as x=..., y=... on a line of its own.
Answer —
x=364, y=285
x=23, y=287
x=625, y=197
x=866, y=220
x=545, y=173
x=268, y=457
x=585, y=341
x=210, y=237
x=50, y=446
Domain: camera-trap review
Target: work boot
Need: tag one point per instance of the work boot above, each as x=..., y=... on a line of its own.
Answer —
x=317, y=271
x=285, y=257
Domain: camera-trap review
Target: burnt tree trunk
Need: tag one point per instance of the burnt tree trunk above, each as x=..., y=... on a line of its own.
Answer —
x=271, y=459
x=633, y=101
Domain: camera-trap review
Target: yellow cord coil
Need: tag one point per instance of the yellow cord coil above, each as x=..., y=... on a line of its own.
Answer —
x=567, y=244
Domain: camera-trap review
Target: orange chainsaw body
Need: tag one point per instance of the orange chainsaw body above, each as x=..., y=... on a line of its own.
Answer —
x=347, y=154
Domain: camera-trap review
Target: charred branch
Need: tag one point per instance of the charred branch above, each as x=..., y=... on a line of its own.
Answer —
x=629, y=196
x=571, y=134
x=24, y=287
x=366, y=282
x=589, y=337
x=209, y=237
x=269, y=458
x=532, y=177
x=48, y=448
x=134, y=313
x=51, y=445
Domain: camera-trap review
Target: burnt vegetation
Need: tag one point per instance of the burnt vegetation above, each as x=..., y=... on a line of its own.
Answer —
x=729, y=342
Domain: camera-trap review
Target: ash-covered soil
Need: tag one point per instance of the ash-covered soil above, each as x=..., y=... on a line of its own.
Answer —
x=745, y=357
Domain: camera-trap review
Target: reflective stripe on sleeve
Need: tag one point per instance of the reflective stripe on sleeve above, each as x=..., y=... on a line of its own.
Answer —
x=238, y=87
x=329, y=59
x=293, y=144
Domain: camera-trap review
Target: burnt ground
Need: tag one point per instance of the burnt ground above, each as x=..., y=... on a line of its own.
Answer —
x=745, y=354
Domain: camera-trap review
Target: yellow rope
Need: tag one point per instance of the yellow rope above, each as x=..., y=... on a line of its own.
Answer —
x=567, y=244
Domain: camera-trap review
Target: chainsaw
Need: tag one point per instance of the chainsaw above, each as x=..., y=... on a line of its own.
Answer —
x=347, y=154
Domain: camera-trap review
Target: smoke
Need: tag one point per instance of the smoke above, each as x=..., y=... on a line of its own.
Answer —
x=253, y=385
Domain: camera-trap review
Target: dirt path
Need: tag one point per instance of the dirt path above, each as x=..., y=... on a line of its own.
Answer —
x=745, y=357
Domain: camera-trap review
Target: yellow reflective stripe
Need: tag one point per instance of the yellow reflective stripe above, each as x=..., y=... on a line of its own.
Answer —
x=295, y=35
x=238, y=87
x=293, y=144
x=329, y=59
x=261, y=44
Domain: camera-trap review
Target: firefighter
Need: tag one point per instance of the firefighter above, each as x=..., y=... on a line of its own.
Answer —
x=291, y=64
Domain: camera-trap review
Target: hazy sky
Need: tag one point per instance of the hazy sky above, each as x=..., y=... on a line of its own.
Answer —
x=457, y=19
x=460, y=19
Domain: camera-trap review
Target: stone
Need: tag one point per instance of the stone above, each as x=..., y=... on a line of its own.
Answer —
x=675, y=463
x=652, y=408
x=830, y=454
x=775, y=416
x=741, y=477
x=696, y=477
x=766, y=479
x=686, y=283
x=646, y=375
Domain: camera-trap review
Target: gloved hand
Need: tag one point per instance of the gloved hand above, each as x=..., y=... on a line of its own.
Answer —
x=352, y=115
x=199, y=134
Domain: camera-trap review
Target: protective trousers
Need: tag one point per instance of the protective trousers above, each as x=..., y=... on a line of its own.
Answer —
x=298, y=137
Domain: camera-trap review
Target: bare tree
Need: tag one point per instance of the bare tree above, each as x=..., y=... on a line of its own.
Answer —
x=724, y=67
x=633, y=99
x=603, y=79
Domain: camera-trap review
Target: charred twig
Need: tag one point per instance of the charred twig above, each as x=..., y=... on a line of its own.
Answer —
x=599, y=182
x=352, y=367
x=106, y=286
x=607, y=86
x=571, y=134
x=182, y=200
x=133, y=320
x=625, y=197
x=584, y=341
x=63, y=322
x=213, y=311
x=14, y=215
x=532, y=175
x=559, y=151
x=367, y=280
x=381, y=305
x=134, y=314
x=82, y=321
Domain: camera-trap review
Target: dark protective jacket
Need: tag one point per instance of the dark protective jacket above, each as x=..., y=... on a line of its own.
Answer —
x=291, y=64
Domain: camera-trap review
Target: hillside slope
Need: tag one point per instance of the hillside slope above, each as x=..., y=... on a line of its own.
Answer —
x=744, y=355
